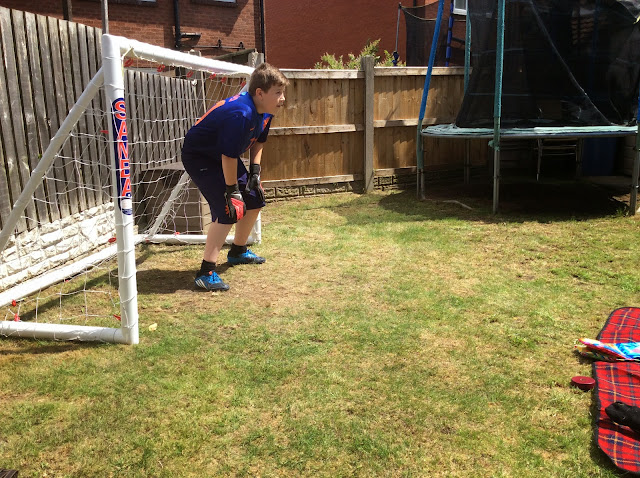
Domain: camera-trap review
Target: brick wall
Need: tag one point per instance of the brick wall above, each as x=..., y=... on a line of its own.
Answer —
x=153, y=22
x=298, y=33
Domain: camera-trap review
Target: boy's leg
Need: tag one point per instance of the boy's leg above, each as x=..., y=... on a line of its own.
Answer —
x=216, y=235
x=239, y=254
x=206, y=277
x=244, y=227
x=209, y=178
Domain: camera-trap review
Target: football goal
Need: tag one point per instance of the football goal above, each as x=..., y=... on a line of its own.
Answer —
x=109, y=180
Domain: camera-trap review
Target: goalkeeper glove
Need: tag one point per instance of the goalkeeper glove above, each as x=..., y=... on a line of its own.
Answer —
x=235, y=207
x=254, y=181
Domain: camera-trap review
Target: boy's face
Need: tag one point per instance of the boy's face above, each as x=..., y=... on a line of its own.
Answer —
x=269, y=101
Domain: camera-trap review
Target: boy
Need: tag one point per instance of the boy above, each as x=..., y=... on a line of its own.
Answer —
x=211, y=155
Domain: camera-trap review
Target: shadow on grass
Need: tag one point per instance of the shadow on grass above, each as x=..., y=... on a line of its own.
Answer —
x=29, y=347
x=158, y=281
x=519, y=201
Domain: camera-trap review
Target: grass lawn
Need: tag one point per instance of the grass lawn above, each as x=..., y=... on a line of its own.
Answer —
x=384, y=337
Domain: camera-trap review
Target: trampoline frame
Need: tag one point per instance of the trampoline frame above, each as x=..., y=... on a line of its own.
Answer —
x=497, y=133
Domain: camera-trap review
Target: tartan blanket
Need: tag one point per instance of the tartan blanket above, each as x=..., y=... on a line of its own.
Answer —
x=618, y=381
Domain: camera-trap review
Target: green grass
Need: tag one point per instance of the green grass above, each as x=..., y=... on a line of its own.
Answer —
x=384, y=337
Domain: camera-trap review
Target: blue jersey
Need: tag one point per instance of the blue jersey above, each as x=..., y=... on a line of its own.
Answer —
x=230, y=127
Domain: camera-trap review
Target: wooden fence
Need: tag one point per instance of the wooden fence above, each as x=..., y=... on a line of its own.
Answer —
x=46, y=64
x=321, y=136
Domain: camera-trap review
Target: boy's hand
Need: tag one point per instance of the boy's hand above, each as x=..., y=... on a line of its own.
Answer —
x=235, y=208
x=254, y=181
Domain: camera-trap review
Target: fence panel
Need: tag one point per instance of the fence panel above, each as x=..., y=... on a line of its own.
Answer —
x=319, y=132
x=46, y=64
x=15, y=155
x=28, y=133
x=330, y=105
x=9, y=181
x=41, y=123
x=49, y=116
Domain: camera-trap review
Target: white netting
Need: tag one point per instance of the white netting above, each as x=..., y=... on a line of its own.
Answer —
x=162, y=124
x=66, y=233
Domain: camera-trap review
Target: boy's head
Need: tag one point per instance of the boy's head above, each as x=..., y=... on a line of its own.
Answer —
x=266, y=87
x=264, y=77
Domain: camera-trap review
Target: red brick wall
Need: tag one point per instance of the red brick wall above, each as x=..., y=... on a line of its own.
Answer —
x=154, y=22
x=298, y=33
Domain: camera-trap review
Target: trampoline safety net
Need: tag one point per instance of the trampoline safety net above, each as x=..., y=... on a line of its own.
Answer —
x=566, y=63
x=420, y=35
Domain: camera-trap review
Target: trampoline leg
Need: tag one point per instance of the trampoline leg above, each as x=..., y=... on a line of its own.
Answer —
x=539, y=158
x=579, y=158
x=420, y=166
x=467, y=160
x=633, y=199
x=420, y=192
x=496, y=179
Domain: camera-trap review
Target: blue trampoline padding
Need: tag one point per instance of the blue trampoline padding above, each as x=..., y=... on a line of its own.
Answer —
x=451, y=130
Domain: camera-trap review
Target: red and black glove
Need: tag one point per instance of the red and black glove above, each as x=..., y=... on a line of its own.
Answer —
x=254, y=181
x=235, y=207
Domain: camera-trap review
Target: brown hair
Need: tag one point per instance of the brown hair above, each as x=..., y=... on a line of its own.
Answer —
x=264, y=77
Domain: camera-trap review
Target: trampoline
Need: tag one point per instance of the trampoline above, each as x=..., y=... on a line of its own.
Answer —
x=542, y=69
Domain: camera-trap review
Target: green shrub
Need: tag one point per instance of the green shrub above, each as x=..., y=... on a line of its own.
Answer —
x=329, y=61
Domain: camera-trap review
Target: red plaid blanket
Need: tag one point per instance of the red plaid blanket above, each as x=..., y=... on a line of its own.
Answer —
x=618, y=382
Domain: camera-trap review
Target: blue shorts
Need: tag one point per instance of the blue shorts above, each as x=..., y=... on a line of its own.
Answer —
x=209, y=178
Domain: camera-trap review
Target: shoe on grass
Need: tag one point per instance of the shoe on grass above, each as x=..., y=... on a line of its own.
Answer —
x=211, y=281
x=247, y=257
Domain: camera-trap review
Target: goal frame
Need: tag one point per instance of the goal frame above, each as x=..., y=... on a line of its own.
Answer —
x=111, y=76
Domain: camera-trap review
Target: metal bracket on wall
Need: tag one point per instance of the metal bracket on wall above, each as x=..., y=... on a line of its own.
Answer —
x=221, y=46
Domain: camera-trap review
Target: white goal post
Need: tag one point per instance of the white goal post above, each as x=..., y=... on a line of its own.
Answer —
x=139, y=152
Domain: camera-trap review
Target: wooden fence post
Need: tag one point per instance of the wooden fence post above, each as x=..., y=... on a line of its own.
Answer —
x=367, y=64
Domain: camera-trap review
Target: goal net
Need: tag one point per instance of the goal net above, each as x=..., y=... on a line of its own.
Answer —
x=110, y=179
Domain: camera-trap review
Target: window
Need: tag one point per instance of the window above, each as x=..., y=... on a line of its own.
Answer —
x=460, y=7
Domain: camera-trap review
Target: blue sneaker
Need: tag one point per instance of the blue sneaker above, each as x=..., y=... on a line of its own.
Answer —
x=247, y=257
x=211, y=281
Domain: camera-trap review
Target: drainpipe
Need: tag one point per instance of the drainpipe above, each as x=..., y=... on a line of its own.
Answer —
x=178, y=32
x=264, y=43
x=179, y=35
x=176, y=15
x=105, y=16
x=67, y=10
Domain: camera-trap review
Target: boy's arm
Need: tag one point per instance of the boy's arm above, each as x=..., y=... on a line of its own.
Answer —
x=255, y=153
x=253, y=184
x=230, y=170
